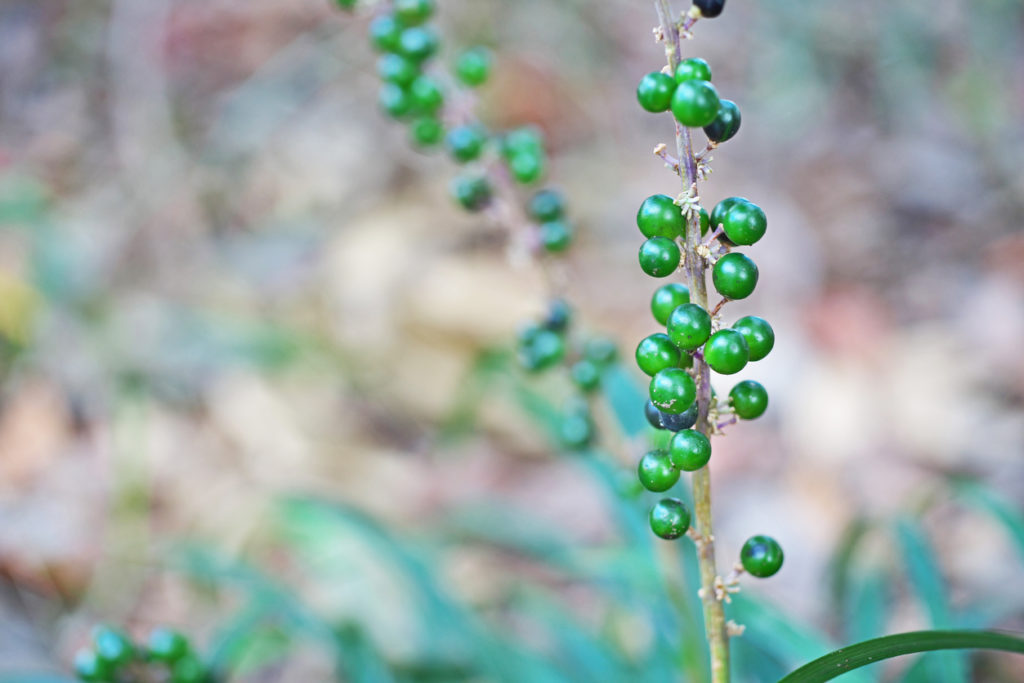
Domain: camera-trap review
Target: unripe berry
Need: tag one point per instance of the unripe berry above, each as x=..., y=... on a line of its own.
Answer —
x=734, y=276
x=666, y=299
x=695, y=104
x=654, y=93
x=726, y=352
x=689, y=450
x=758, y=333
x=689, y=326
x=693, y=69
x=659, y=216
x=669, y=518
x=659, y=257
x=672, y=390
x=761, y=556
x=726, y=123
x=656, y=472
x=749, y=400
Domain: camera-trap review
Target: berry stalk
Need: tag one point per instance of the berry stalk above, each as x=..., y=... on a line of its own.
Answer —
x=696, y=268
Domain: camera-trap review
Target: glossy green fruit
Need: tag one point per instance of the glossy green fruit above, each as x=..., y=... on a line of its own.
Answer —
x=666, y=299
x=473, y=67
x=426, y=94
x=734, y=276
x=556, y=236
x=759, y=335
x=749, y=399
x=166, y=645
x=722, y=208
x=465, y=142
x=601, y=350
x=559, y=315
x=526, y=167
x=655, y=353
x=705, y=221
x=669, y=518
x=726, y=123
x=654, y=93
x=693, y=69
x=689, y=450
x=112, y=646
x=89, y=667
x=413, y=12
x=761, y=556
x=547, y=205
x=726, y=352
x=188, y=669
x=695, y=103
x=418, y=43
x=586, y=375
x=689, y=326
x=473, y=193
x=660, y=217
x=394, y=68
x=525, y=140
x=672, y=390
x=745, y=223
x=384, y=33
x=426, y=131
x=656, y=472
x=659, y=257
x=576, y=430
x=540, y=349
x=394, y=100
x=709, y=9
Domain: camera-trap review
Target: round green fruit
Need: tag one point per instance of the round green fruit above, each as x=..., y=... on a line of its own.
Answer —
x=426, y=131
x=656, y=353
x=726, y=352
x=413, y=12
x=426, y=94
x=749, y=399
x=695, y=103
x=556, y=236
x=654, y=93
x=745, y=223
x=394, y=68
x=669, y=518
x=576, y=430
x=660, y=217
x=734, y=276
x=659, y=257
x=689, y=450
x=473, y=67
x=726, y=123
x=166, y=645
x=586, y=375
x=526, y=167
x=112, y=646
x=672, y=390
x=666, y=299
x=693, y=69
x=722, y=208
x=188, y=669
x=759, y=335
x=547, y=205
x=473, y=193
x=90, y=667
x=540, y=349
x=689, y=326
x=656, y=472
x=466, y=142
x=418, y=43
x=761, y=556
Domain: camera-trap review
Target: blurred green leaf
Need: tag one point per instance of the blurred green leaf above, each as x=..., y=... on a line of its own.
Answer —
x=1008, y=515
x=626, y=399
x=868, y=606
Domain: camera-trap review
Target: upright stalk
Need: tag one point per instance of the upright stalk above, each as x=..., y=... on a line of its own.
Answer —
x=696, y=268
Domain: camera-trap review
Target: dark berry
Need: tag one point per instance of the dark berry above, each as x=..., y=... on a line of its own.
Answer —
x=709, y=9
x=473, y=193
x=555, y=235
x=761, y=556
x=656, y=472
x=669, y=518
x=653, y=415
x=726, y=123
x=689, y=326
x=659, y=257
x=654, y=93
x=672, y=390
x=695, y=103
x=683, y=420
x=473, y=66
x=734, y=276
x=726, y=352
x=558, y=316
x=547, y=205
x=749, y=399
x=745, y=223
x=689, y=450
x=693, y=69
x=759, y=335
x=655, y=353
x=666, y=299
x=660, y=217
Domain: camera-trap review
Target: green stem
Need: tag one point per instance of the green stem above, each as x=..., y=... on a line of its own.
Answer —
x=696, y=267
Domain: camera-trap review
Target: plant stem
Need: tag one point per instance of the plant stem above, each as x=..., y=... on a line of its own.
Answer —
x=696, y=267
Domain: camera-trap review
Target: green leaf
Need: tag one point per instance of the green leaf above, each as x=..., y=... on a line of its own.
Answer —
x=1010, y=516
x=840, y=567
x=871, y=651
x=626, y=399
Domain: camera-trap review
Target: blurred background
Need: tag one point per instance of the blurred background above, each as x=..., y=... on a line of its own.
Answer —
x=256, y=370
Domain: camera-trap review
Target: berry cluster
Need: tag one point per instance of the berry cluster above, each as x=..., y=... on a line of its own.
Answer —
x=693, y=338
x=166, y=656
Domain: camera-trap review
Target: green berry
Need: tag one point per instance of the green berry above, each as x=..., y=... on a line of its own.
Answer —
x=669, y=518
x=426, y=131
x=413, y=12
x=526, y=140
x=526, y=167
x=666, y=299
x=90, y=667
x=112, y=646
x=556, y=236
x=659, y=257
x=660, y=217
x=749, y=399
x=575, y=430
x=547, y=205
x=655, y=91
x=394, y=68
x=466, y=142
x=745, y=223
x=761, y=556
x=693, y=69
x=586, y=375
x=655, y=353
x=726, y=352
x=705, y=221
x=345, y=4
x=759, y=334
x=188, y=669
x=473, y=193
x=695, y=103
x=395, y=100
x=473, y=66
x=722, y=208
x=709, y=9
x=734, y=276
x=166, y=645
x=540, y=349
x=656, y=472
x=672, y=390
x=726, y=123
x=418, y=43
x=689, y=326
x=385, y=32
x=689, y=450
x=426, y=94
x=558, y=316
x=601, y=350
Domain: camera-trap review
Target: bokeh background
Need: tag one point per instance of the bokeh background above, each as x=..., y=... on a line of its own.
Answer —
x=255, y=364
